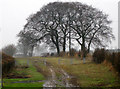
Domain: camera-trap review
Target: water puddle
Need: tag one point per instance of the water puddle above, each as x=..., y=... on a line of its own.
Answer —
x=53, y=80
x=66, y=78
x=30, y=81
x=57, y=81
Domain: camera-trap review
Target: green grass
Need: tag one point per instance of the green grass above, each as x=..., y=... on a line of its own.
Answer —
x=30, y=71
x=25, y=85
x=0, y=84
x=42, y=68
x=89, y=74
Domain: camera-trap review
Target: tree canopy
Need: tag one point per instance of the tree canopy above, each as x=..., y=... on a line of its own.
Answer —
x=59, y=22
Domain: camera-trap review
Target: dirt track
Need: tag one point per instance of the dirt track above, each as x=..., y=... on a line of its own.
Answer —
x=52, y=79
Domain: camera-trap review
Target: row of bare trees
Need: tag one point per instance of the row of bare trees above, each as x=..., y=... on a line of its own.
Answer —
x=58, y=24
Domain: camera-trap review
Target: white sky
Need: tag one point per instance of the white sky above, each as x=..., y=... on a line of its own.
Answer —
x=13, y=14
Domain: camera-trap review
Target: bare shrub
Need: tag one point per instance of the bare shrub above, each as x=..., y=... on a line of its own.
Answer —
x=99, y=55
x=9, y=50
x=114, y=59
x=8, y=64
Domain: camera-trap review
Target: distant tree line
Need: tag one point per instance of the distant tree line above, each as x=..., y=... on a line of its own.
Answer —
x=59, y=24
x=9, y=49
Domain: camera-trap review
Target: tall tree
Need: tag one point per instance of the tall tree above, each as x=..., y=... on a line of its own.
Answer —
x=91, y=26
x=28, y=43
x=58, y=22
x=9, y=50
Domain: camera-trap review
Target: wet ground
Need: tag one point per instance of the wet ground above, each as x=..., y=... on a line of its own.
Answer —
x=53, y=80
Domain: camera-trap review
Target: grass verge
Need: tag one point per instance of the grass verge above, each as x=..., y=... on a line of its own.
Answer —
x=30, y=71
x=88, y=74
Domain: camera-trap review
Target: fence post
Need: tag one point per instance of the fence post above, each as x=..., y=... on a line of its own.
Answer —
x=45, y=62
x=16, y=63
x=71, y=61
x=83, y=60
x=59, y=61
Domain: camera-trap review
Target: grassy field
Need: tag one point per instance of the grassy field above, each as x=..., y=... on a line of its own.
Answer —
x=88, y=74
x=85, y=75
x=31, y=72
x=0, y=83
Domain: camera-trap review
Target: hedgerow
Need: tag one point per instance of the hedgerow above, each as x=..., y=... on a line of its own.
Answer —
x=8, y=64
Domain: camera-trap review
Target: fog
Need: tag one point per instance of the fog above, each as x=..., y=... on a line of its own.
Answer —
x=15, y=12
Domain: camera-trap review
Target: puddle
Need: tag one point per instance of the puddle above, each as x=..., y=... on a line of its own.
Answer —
x=30, y=81
x=66, y=78
x=53, y=80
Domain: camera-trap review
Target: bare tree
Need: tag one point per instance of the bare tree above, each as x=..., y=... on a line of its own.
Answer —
x=58, y=22
x=52, y=22
x=46, y=24
x=92, y=26
x=28, y=43
x=9, y=50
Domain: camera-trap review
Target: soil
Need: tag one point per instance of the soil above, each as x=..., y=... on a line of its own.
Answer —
x=64, y=80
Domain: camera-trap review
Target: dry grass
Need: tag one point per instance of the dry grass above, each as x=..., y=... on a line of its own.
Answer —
x=88, y=74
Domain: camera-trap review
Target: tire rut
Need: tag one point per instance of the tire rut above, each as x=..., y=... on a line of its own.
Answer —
x=53, y=80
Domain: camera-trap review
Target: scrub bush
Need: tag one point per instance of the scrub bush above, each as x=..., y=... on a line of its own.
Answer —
x=99, y=55
x=8, y=64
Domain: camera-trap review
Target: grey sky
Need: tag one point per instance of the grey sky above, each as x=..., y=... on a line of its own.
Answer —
x=13, y=16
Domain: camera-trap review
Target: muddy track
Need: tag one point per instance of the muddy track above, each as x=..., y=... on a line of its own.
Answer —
x=52, y=79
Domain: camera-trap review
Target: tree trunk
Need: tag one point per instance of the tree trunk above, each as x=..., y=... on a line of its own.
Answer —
x=31, y=52
x=57, y=46
x=64, y=44
x=56, y=43
x=88, y=49
x=25, y=50
x=58, y=50
x=89, y=45
x=70, y=42
x=83, y=49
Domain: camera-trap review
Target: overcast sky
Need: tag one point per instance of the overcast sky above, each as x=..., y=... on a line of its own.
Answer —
x=13, y=14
